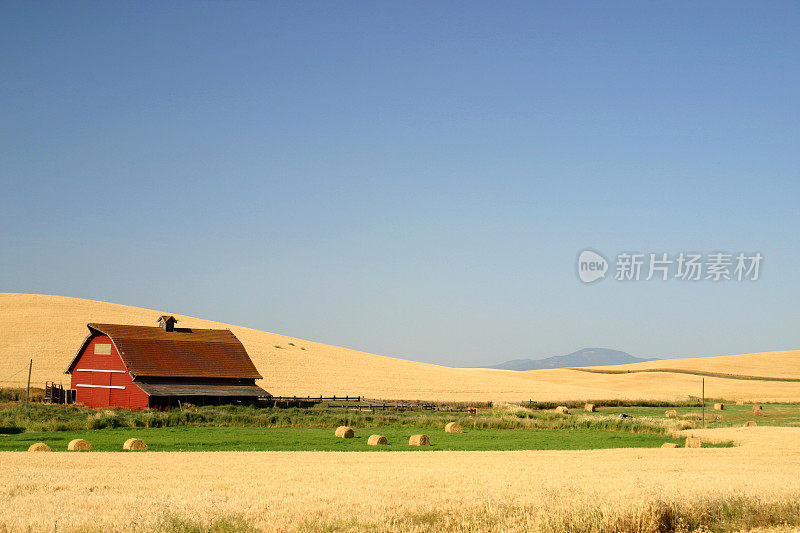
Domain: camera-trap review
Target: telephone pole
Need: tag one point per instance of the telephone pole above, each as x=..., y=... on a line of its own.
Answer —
x=704, y=403
x=28, y=391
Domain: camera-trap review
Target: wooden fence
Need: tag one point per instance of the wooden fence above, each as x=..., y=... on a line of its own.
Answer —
x=360, y=403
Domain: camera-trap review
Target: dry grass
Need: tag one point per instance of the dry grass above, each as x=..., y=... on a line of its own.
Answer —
x=49, y=329
x=407, y=491
x=671, y=413
x=693, y=442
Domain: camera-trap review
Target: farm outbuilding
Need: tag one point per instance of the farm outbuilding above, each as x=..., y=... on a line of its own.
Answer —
x=140, y=367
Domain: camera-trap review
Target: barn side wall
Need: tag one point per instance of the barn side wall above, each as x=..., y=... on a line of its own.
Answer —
x=101, y=379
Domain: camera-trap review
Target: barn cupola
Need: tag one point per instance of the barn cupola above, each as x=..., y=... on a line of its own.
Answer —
x=167, y=323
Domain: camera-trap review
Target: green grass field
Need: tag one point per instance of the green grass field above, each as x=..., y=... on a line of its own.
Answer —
x=189, y=438
x=504, y=427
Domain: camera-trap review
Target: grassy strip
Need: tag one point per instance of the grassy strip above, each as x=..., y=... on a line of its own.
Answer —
x=578, y=404
x=732, y=415
x=211, y=439
x=18, y=395
x=684, y=371
x=40, y=417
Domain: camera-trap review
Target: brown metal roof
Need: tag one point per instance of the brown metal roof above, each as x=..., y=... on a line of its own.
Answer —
x=173, y=389
x=185, y=352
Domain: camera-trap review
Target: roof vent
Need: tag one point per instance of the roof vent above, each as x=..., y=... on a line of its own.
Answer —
x=167, y=322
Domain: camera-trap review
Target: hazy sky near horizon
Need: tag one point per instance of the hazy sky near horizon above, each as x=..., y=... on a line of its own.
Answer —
x=409, y=179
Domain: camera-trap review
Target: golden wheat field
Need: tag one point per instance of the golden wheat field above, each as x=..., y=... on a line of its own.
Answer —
x=400, y=491
x=784, y=364
x=50, y=329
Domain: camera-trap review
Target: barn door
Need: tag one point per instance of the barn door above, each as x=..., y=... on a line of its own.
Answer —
x=101, y=394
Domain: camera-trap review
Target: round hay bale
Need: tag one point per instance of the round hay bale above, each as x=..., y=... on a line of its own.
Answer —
x=672, y=413
x=758, y=410
x=375, y=440
x=345, y=432
x=78, y=445
x=452, y=427
x=689, y=424
x=719, y=406
x=419, y=440
x=134, y=444
x=562, y=409
x=39, y=447
x=750, y=424
x=670, y=445
x=693, y=442
x=589, y=408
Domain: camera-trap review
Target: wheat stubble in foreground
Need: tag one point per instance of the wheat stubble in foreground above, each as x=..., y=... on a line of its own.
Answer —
x=287, y=491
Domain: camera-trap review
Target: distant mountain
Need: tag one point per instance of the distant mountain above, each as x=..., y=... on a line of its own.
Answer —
x=585, y=357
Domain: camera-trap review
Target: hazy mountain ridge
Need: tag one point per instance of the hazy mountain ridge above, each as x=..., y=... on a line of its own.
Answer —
x=584, y=357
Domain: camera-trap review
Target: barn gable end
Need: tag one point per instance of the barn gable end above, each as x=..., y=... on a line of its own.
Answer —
x=100, y=378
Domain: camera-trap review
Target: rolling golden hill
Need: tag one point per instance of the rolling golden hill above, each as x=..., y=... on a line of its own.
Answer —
x=50, y=329
x=783, y=364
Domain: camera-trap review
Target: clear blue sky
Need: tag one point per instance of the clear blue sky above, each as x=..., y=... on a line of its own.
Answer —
x=410, y=179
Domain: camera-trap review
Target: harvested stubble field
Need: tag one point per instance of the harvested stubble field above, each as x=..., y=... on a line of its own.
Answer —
x=756, y=484
x=49, y=330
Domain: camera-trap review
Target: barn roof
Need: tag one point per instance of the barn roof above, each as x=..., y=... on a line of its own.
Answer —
x=184, y=352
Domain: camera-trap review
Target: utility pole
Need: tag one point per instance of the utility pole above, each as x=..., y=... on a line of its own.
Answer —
x=704, y=403
x=28, y=391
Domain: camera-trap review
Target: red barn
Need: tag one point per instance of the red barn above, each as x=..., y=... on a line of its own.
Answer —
x=140, y=367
